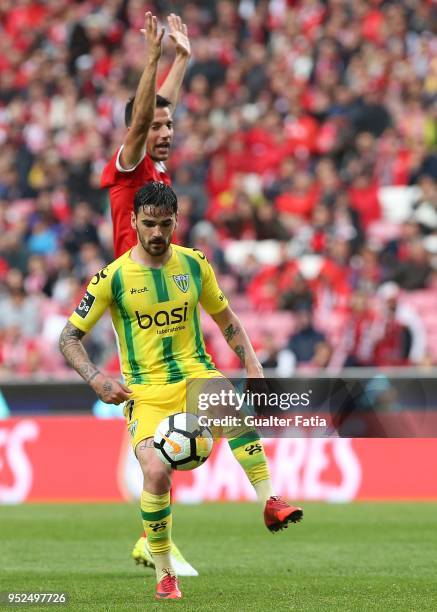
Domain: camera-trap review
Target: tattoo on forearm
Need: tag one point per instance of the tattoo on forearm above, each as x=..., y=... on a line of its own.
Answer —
x=88, y=371
x=240, y=351
x=230, y=332
x=72, y=348
x=69, y=333
x=93, y=376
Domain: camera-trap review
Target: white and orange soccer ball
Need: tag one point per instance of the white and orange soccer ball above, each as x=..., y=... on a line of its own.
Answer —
x=181, y=442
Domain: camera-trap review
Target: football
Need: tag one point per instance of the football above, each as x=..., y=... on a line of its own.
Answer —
x=181, y=442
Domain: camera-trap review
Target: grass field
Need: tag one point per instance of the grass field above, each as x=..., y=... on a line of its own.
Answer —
x=342, y=557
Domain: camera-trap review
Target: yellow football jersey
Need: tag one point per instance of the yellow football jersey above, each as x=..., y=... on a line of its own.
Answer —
x=155, y=314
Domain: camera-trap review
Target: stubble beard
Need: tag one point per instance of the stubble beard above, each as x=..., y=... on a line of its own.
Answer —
x=159, y=157
x=154, y=250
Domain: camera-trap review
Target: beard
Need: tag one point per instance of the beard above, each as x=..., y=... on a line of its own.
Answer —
x=154, y=248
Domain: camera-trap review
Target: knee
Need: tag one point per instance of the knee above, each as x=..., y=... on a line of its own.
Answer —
x=156, y=479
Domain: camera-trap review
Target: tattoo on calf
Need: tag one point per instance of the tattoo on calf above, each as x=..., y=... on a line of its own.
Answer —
x=230, y=332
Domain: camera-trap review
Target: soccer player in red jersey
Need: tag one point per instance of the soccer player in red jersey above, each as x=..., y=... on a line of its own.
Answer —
x=139, y=160
x=146, y=146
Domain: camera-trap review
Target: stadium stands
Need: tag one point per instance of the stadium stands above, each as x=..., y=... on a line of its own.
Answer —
x=305, y=142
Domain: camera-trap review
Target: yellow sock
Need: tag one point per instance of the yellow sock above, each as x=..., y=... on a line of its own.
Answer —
x=157, y=521
x=249, y=452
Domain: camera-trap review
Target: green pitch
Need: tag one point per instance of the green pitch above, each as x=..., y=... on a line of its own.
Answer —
x=341, y=557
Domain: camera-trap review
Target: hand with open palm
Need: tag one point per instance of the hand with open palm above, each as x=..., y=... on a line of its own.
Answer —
x=153, y=35
x=179, y=35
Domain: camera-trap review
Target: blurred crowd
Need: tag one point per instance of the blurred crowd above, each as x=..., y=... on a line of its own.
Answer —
x=295, y=114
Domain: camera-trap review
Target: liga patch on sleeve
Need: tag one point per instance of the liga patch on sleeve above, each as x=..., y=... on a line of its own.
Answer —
x=85, y=305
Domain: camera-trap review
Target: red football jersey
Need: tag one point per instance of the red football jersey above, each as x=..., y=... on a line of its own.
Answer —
x=122, y=185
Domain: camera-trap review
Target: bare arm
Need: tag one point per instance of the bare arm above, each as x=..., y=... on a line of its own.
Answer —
x=179, y=35
x=237, y=338
x=108, y=389
x=144, y=106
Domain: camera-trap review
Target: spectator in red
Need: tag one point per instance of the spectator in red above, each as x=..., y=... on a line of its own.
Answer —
x=321, y=227
x=299, y=202
x=401, y=335
x=394, y=346
x=263, y=290
x=359, y=332
x=301, y=130
x=393, y=161
x=363, y=194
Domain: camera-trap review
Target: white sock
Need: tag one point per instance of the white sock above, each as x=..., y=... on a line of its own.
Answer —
x=263, y=490
x=162, y=562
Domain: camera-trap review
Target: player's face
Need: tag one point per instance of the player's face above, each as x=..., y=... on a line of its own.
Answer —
x=160, y=135
x=154, y=229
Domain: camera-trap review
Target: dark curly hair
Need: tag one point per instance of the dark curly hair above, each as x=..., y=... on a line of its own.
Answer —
x=156, y=195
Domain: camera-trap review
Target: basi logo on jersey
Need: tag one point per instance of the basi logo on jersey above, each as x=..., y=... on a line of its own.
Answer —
x=182, y=281
x=163, y=318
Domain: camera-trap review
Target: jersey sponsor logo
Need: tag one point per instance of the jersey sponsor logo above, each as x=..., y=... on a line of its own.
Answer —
x=99, y=276
x=182, y=281
x=162, y=318
x=139, y=290
x=85, y=305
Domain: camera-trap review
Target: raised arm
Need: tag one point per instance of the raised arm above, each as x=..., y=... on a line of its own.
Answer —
x=108, y=389
x=237, y=338
x=178, y=33
x=144, y=106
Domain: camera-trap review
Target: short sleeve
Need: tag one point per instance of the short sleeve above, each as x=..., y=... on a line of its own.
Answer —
x=211, y=297
x=114, y=174
x=120, y=168
x=96, y=299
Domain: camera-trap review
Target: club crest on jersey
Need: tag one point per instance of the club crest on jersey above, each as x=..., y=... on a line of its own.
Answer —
x=182, y=281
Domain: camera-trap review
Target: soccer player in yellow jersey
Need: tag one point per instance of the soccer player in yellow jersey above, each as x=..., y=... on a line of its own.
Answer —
x=153, y=293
